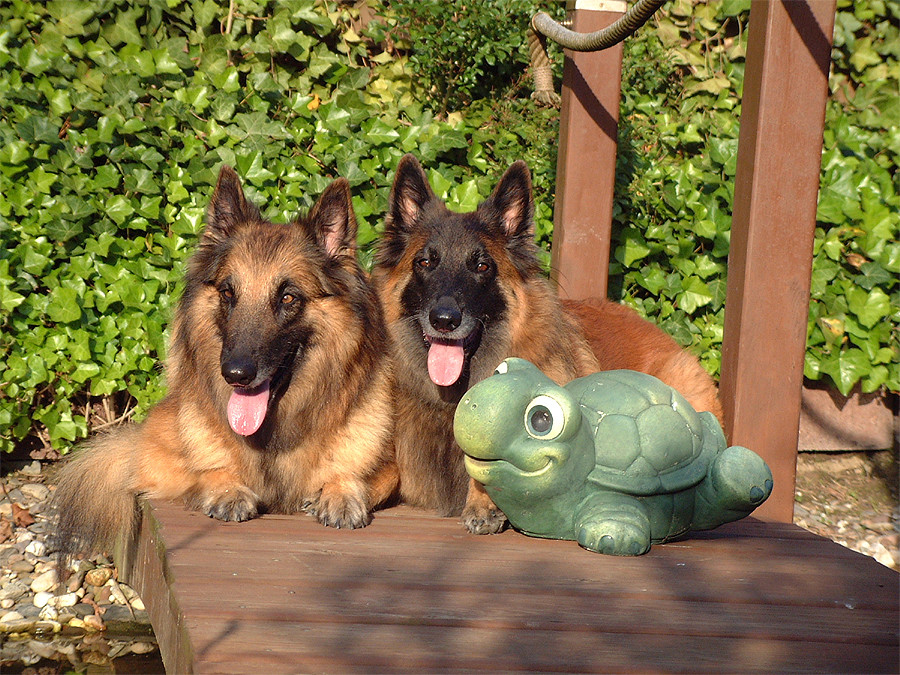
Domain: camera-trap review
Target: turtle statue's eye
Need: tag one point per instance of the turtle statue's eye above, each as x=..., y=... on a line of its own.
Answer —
x=544, y=418
x=502, y=368
x=541, y=420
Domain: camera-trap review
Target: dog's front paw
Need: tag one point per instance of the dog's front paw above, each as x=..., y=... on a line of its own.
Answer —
x=334, y=508
x=236, y=503
x=479, y=519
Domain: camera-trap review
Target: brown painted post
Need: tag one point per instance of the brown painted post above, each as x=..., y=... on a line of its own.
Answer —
x=769, y=265
x=586, y=161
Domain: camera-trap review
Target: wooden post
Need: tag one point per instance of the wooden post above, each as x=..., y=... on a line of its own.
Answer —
x=770, y=262
x=586, y=160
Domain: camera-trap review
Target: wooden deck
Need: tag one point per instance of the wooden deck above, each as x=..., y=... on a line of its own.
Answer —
x=415, y=593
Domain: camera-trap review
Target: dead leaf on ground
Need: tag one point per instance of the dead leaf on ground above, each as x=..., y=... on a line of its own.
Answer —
x=6, y=530
x=21, y=516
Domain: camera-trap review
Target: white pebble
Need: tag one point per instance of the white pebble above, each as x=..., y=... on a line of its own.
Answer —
x=142, y=648
x=41, y=598
x=9, y=617
x=6, y=603
x=884, y=556
x=33, y=469
x=49, y=613
x=117, y=596
x=35, y=491
x=36, y=548
x=66, y=600
x=44, y=582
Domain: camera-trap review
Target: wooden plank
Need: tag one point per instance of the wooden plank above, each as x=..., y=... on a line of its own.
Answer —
x=672, y=572
x=143, y=563
x=770, y=261
x=427, y=648
x=501, y=609
x=414, y=592
x=586, y=163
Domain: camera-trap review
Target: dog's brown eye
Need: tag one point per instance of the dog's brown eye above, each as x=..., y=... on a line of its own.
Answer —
x=424, y=263
x=482, y=267
x=288, y=299
x=226, y=293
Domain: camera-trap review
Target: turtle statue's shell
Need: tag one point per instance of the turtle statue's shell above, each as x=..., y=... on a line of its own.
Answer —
x=659, y=444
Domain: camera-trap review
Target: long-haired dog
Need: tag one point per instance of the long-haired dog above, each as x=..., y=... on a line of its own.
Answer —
x=463, y=291
x=278, y=385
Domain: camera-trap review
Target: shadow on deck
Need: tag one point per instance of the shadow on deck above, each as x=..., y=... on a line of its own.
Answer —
x=415, y=593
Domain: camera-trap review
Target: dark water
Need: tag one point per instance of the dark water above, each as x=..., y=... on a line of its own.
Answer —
x=93, y=655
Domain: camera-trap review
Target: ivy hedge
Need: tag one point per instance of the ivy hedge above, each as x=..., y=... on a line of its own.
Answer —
x=116, y=115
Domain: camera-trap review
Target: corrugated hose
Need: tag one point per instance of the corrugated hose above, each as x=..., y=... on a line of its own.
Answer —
x=543, y=27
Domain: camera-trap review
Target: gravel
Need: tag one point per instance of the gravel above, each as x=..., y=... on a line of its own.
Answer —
x=86, y=622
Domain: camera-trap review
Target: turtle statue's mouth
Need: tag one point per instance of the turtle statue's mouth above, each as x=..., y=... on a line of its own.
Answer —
x=483, y=470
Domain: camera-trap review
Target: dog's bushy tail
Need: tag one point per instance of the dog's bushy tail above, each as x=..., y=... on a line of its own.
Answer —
x=95, y=499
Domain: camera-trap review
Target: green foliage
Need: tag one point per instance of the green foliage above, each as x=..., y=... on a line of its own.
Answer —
x=677, y=153
x=462, y=52
x=855, y=308
x=678, y=137
x=116, y=115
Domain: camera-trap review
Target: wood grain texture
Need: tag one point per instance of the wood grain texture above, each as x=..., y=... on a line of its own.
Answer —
x=415, y=593
x=772, y=234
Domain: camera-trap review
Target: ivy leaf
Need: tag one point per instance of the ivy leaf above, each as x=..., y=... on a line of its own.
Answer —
x=85, y=371
x=71, y=16
x=9, y=299
x=695, y=293
x=846, y=368
x=63, y=306
x=633, y=248
x=380, y=133
x=141, y=180
x=119, y=209
x=870, y=307
x=37, y=129
x=124, y=29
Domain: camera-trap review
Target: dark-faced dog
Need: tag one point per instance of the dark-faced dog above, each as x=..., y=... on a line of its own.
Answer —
x=463, y=291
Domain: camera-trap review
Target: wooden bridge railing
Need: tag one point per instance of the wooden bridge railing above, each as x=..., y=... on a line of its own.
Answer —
x=776, y=188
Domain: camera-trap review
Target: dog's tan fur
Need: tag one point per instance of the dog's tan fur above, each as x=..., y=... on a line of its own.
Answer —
x=566, y=340
x=324, y=446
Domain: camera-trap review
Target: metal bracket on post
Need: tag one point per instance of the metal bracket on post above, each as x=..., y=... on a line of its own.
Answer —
x=619, y=6
x=586, y=159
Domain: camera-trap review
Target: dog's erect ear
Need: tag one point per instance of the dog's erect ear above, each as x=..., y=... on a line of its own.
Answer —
x=514, y=202
x=334, y=221
x=409, y=195
x=227, y=208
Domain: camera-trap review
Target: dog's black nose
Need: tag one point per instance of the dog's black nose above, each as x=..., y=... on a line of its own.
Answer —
x=238, y=371
x=445, y=316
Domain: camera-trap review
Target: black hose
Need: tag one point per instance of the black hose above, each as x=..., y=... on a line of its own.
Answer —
x=633, y=19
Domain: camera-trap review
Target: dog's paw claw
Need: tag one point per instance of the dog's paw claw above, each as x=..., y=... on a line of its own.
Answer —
x=234, y=504
x=340, y=511
x=484, y=521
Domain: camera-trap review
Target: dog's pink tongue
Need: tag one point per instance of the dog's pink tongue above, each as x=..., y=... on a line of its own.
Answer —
x=247, y=409
x=445, y=363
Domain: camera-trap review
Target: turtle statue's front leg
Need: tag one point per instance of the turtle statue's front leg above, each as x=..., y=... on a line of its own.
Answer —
x=613, y=523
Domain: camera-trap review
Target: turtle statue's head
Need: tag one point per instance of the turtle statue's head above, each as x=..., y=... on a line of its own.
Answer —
x=523, y=435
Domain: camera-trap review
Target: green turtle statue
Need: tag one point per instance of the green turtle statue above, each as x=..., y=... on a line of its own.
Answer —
x=616, y=460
